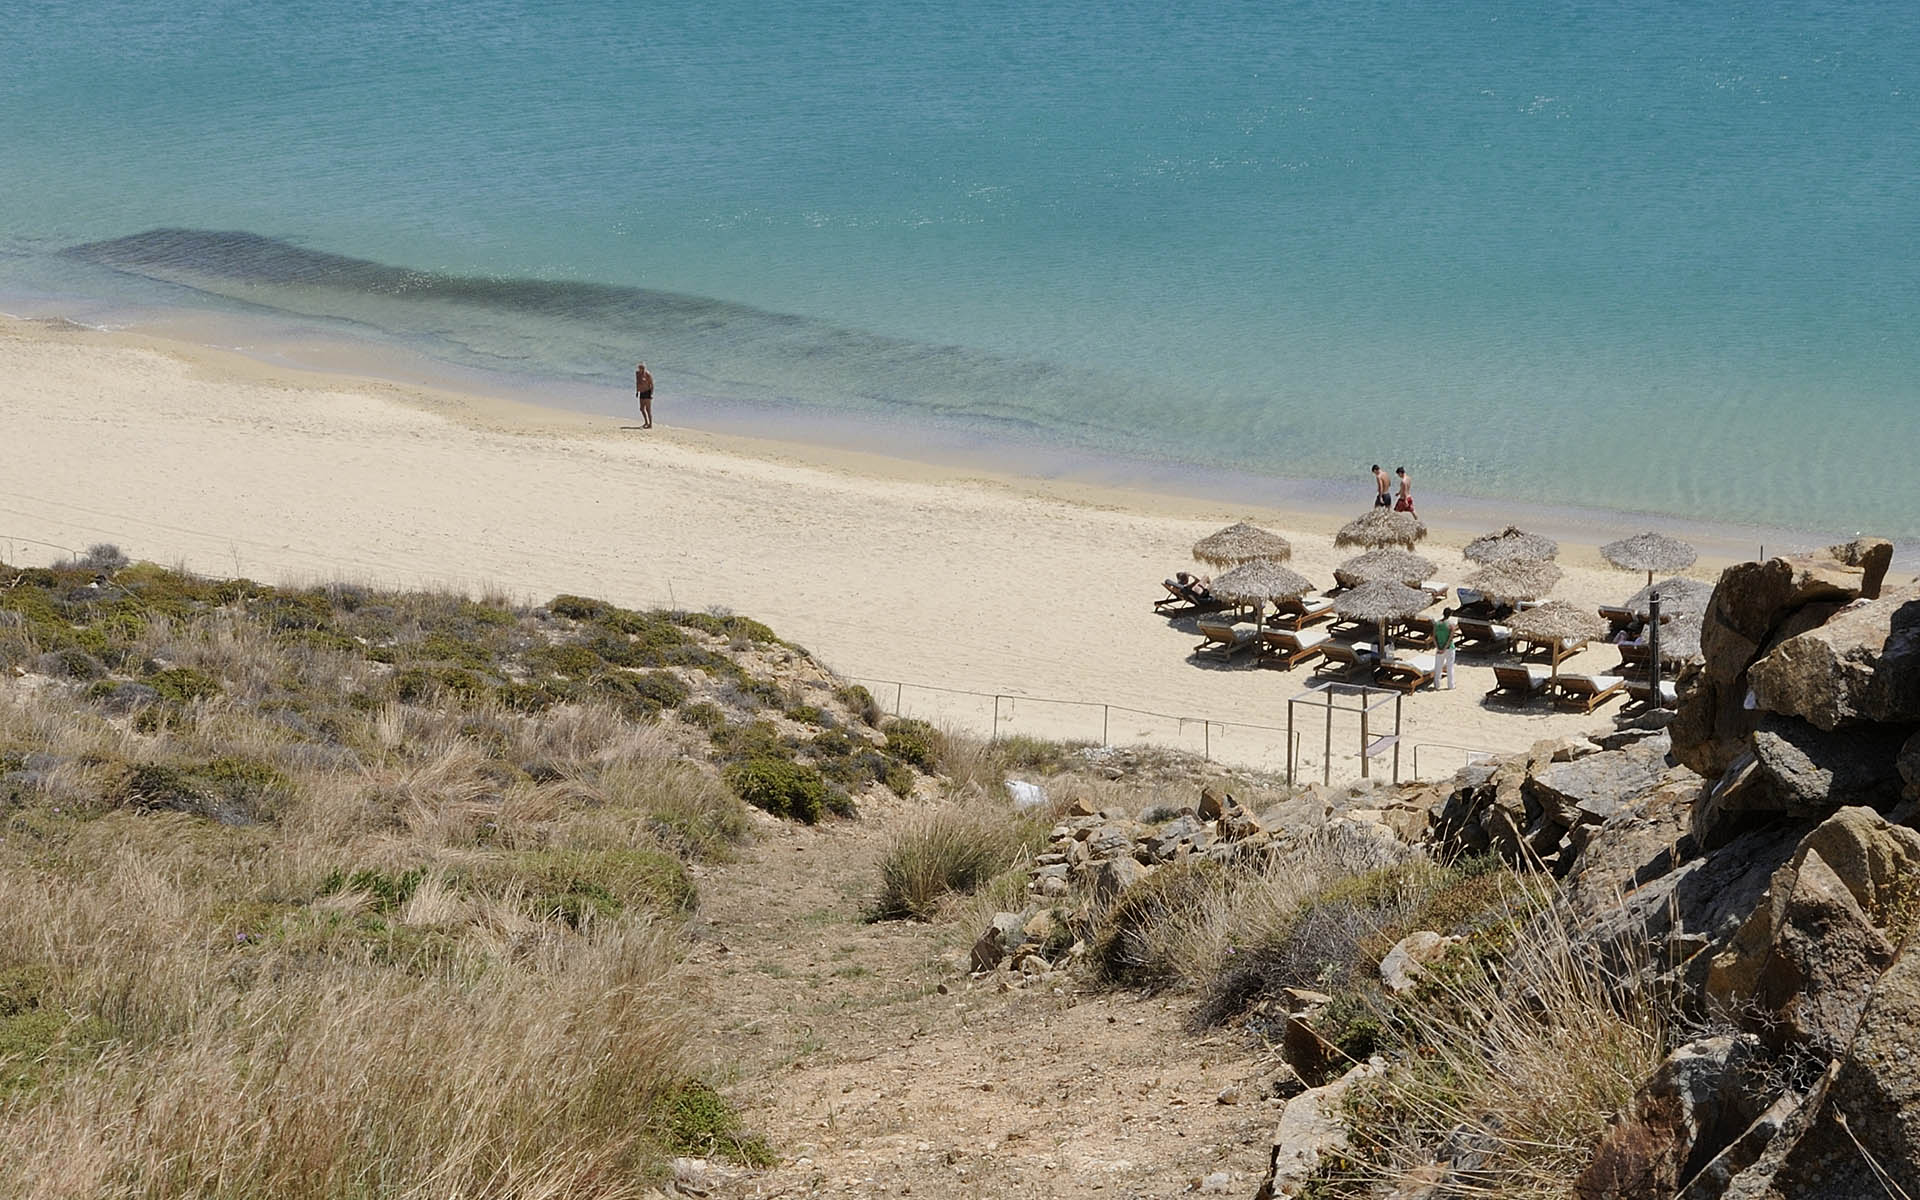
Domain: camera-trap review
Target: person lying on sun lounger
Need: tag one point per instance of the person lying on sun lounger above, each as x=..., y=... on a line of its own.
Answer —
x=1197, y=586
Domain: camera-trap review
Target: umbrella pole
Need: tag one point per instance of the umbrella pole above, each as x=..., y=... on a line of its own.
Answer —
x=1653, y=649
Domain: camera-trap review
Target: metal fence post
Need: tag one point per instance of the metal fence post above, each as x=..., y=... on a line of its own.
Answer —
x=1106, y=712
x=1206, y=734
x=996, y=719
x=899, y=690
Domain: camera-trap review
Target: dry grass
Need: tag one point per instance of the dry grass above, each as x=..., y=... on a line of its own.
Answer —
x=1525, y=1056
x=950, y=850
x=286, y=930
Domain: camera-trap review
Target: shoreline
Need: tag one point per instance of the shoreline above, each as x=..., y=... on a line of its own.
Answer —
x=987, y=596
x=909, y=447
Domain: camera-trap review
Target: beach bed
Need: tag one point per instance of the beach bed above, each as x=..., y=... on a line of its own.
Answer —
x=1585, y=693
x=1348, y=658
x=1298, y=614
x=1287, y=648
x=1481, y=633
x=1519, y=682
x=1641, y=692
x=1226, y=638
x=1407, y=673
x=1185, y=602
x=1558, y=650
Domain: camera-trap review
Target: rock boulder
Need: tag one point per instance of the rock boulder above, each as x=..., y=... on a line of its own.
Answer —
x=1862, y=665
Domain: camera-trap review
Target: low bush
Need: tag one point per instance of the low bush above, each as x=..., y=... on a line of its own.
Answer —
x=693, y=1119
x=1138, y=940
x=182, y=685
x=780, y=786
x=861, y=703
x=582, y=886
x=915, y=743
x=945, y=851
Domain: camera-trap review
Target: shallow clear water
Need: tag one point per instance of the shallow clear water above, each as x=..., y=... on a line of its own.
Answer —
x=1629, y=256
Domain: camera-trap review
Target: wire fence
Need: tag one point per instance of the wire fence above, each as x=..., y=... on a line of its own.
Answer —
x=1016, y=713
x=1101, y=723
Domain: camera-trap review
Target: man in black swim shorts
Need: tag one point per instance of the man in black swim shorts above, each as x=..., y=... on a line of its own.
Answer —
x=1384, y=497
x=643, y=388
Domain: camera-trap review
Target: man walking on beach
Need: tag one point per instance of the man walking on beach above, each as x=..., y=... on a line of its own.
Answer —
x=1383, y=498
x=643, y=388
x=1405, y=503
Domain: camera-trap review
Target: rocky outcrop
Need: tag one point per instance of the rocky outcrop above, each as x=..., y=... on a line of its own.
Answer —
x=1310, y=1130
x=1547, y=806
x=1755, y=607
x=1861, y=665
x=1801, y=967
x=1699, y=1101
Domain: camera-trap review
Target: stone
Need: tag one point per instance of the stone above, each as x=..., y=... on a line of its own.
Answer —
x=1229, y=1095
x=1809, y=771
x=1908, y=764
x=1082, y=808
x=1217, y=1184
x=1116, y=875
x=1697, y=1102
x=1801, y=967
x=1862, y=665
x=1033, y=964
x=1309, y=1130
x=1212, y=805
x=1040, y=929
x=1003, y=935
x=1406, y=964
x=1872, y=555
x=1587, y=791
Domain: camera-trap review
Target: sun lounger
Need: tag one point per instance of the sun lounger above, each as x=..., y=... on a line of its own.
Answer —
x=1639, y=692
x=1226, y=638
x=1484, y=633
x=1348, y=657
x=1287, y=648
x=1519, y=682
x=1184, y=601
x=1298, y=614
x=1558, y=650
x=1406, y=673
x=1588, y=692
x=1617, y=617
x=1436, y=589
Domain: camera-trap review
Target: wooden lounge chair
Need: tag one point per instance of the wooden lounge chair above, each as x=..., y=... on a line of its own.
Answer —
x=1184, y=601
x=1407, y=673
x=1585, y=693
x=1483, y=633
x=1616, y=617
x=1436, y=589
x=1558, y=650
x=1519, y=682
x=1286, y=648
x=1350, y=658
x=1298, y=614
x=1639, y=692
x=1416, y=634
x=1226, y=638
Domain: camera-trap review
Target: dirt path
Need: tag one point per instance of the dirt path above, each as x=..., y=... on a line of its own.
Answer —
x=870, y=1080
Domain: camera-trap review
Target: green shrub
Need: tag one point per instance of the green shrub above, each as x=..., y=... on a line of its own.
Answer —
x=704, y=715
x=806, y=714
x=416, y=684
x=780, y=786
x=578, y=608
x=899, y=779
x=294, y=610
x=232, y=790
x=580, y=886
x=442, y=647
x=913, y=742
x=755, y=739
x=573, y=661
x=388, y=890
x=693, y=1119
x=181, y=685
x=860, y=702
x=727, y=627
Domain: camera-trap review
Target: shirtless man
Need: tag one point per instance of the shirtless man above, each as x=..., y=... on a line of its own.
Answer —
x=643, y=388
x=1405, y=503
x=1383, y=498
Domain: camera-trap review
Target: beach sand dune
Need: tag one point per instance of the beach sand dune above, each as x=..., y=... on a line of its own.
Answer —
x=905, y=577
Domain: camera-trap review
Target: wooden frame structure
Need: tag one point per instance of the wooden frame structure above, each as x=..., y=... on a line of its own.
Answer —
x=1365, y=703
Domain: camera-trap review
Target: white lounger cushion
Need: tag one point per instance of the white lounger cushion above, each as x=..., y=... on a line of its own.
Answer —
x=1307, y=639
x=1598, y=683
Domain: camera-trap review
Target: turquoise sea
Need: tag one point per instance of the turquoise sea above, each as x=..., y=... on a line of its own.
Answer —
x=1626, y=256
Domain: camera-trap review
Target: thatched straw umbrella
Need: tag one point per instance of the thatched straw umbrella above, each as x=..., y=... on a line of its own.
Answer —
x=1557, y=621
x=1381, y=601
x=1679, y=596
x=1259, y=581
x=1399, y=566
x=1511, y=542
x=1649, y=552
x=1515, y=579
x=1381, y=527
x=1241, y=543
x=1680, y=638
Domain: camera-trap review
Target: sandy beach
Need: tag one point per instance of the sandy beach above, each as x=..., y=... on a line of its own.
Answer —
x=905, y=577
